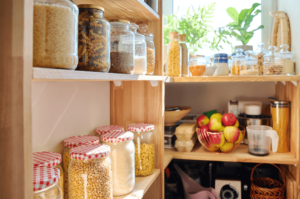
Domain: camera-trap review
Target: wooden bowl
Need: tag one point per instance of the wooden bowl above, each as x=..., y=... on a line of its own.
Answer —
x=171, y=117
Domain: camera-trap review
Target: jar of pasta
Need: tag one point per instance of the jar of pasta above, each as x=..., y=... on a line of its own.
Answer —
x=174, y=56
x=69, y=144
x=90, y=173
x=144, y=148
x=237, y=60
x=102, y=130
x=122, y=157
x=45, y=183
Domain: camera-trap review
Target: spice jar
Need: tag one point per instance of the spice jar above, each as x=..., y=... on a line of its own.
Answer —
x=144, y=148
x=184, y=55
x=236, y=61
x=174, y=56
x=90, y=174
x=280, y=111
x=273, y=64
x=122, y=47
x=50, y=159
x=150, y=49
x=55, y=34
x=102, y=130
x=93, y=39
x=122, y=157
x=45, y=183
x=70, y=143
x=249, y=64
x=197, y=65
x=259, y=55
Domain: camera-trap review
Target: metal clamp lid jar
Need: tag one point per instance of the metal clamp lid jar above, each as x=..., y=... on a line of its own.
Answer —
x=150, y=49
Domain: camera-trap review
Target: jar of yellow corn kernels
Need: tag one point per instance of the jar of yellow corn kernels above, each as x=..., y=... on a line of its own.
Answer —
x=144, y=148
x=102, y=130
x=174, y=56
x=70, y=143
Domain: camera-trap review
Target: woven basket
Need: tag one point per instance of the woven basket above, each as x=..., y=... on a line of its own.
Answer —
x=267, y=188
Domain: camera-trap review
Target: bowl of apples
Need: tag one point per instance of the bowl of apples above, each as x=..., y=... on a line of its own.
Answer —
x=220, y=133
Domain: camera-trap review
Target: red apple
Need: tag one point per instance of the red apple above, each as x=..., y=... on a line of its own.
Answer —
x=231, y=134
x=228, y=119
x=214, y=124
x=226, y=147
x=217, y=139
x=202, y=120
x=211, y=147
x=241, y=136
x=202, y=132
x=237, y=123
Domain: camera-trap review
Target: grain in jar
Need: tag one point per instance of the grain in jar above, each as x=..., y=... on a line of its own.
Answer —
x=144, y=148
x=90, y=172
x=259, y=55
x=273, y=64
x=237, y=60
x=102, y=130
x=249, y=65
x=122, y=157
x=174, y=56
x=184, y=55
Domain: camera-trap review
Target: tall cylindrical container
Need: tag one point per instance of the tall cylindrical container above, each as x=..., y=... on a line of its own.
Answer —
x=174, y=56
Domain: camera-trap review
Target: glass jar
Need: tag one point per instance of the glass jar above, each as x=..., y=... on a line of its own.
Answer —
x=184, y=55
x=70, y=143
x=93, y=39
x=249, y=65
x=286, y=56
x=150, y=49
x=144, y=148
x=259, y=55
x=285, y=53
x=174, y=56
x=273, y=64
x=55, y=25
x=122, y=47
x=122, y=157
x=197, y=65
x=236, y=61
x=90, y=174
x=102, y=130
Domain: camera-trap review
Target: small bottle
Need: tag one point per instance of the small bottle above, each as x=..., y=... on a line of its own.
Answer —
x=184, y=55
x=174, y=56
x=273, y=64
x=237, y=59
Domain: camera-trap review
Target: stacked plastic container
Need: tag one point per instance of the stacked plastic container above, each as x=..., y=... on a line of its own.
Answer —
x=186, y=137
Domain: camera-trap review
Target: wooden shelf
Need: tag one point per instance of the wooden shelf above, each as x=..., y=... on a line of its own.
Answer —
x=45, y=74
x=238, y=155
x=142, y=184
x=133, y=10
x=167, y=160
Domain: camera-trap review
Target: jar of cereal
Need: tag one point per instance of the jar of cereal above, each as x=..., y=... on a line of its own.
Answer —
x=144, y=148
x=100, y=131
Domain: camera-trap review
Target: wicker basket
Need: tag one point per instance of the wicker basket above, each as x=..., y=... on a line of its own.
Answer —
x=267, y=188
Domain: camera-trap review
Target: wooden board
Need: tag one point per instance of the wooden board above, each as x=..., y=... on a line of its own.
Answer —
x=167, y=160
x=152, y=193
x=291, y=184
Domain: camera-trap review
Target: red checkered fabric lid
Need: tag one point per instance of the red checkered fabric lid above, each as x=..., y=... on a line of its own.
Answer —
x=44, y=177
x=109, y=129
x=140, y=127
x=46, y=158
x=88, y=152
x=80, y=140
x=117, y=136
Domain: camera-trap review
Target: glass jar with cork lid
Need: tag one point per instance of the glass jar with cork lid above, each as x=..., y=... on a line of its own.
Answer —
x=174, y=56
x=184, y=55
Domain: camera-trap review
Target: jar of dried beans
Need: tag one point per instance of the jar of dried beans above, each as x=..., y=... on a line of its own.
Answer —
x=122, y=156
x=174, y=56
x=55, y=25
x=90, y=173
x=70, y=143
x=122, y=47
x=93, y=39
x=102, y=130
x=144, y=148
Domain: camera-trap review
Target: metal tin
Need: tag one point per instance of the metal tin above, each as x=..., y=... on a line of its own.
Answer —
x=280, y=103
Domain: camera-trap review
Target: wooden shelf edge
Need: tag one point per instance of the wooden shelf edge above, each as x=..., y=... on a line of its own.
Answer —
x=167, y=160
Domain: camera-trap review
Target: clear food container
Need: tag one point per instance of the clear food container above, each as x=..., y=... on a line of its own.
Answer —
x=174, y=56
x=122, y=157
x=102, y=130
x=45, y=183
x=93, y=39
x=70, y=143
x=237, y=59
x=259, y=55
x=90, y=173
x=184, y=55
x=284, y=52
x=55, y=29
x=249, y=65
x=186, y=145
x=144, y=148
x=286, y=56
x=122, y=47
x=273, y=65
x=197, y=65
x=185, y=131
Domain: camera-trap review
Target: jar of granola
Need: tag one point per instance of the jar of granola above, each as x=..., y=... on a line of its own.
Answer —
x=259, y=54
x=174, y=56
x=144, y=148
x=122, y=156
x=249, y=65
x=90, y=173
x=273, y=64
x=102, y=130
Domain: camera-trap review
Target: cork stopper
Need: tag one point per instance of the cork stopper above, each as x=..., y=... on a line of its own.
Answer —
x=182, y=37
x=173, y=35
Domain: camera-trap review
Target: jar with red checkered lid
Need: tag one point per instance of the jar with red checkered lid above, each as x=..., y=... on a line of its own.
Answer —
x=122, y=156
x=101, y=130
x=144, y=148
x=90, y=172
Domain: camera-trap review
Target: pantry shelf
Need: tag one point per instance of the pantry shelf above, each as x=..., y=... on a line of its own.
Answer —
x=167, y=160
x=142, y=184
x=133, y=10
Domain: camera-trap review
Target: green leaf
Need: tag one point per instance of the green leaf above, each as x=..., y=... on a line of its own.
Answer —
x=233, y=13
x=255, y=5
x=242, y=16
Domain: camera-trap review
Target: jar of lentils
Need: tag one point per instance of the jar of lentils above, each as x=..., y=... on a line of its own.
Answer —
x=102, y=130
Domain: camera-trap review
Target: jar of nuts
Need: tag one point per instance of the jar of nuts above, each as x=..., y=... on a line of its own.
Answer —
x=273, y=64
x=70, y=143
x=90, y=173
x=102, y=130
x=144, y=148
x=122, y=156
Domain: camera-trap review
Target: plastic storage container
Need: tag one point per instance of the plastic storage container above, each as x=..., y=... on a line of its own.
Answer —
x=259, y=55
x=185, y=131
x=221, y=62
x=93, y=39
x=122, y=47
x=237, y=60
x=45, y=183
x=122, y=157
x=144, y=148
x=184, y=55
x=249, y=65
x=55, y=29
x=186, y=145
x=90, y=173
x=102, y=130
x=174, y=56
x=197, y=65
x=273, y=64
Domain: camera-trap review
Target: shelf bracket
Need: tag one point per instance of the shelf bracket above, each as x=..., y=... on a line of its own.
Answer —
x=154, y=83
x=283, y=82
x=118, y=83
x=295, y=83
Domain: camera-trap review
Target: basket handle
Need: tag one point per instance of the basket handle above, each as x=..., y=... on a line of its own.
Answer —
x=283, y=177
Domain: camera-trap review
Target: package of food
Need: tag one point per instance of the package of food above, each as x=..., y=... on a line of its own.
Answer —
x=185, y=131
x=186, y=145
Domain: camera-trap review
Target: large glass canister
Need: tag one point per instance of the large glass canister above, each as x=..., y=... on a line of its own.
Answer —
x=259, y=55
x=102, y=130
x=249, y=65
x=284, y=52
x=55, y=29
x=90, y=173
x=237, y=61
x=184, y=55
x=123, y=162
x=122, y=47
x=45, y=183
x=70, y=143
x=93, y=39
x=197, y=65
x=286, y=56
x=144, y=148
x=273, y=64
x=280, y=111
x=174, y=56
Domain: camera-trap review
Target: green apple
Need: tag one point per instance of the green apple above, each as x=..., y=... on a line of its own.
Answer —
x=237, y=124
x=241, y=136
x=226, y=147
x=222, y=129
x=217, y=115
x=214, y=124
x=231, y=134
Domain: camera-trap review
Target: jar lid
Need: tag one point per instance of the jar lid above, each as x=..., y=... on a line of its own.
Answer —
x=142, y=29
x=173, y=35
x=220, y=58
x=89, y=152
x=140, y=127
x=280, y=103
x=219, y=55
x=80, y=140
x=44, y=177
x=109, y=129
x=120, y=20
x=46, y=158
x=90, y=6
x=117, y=137
x=182, y=37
